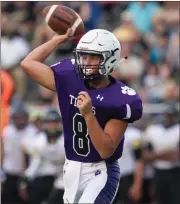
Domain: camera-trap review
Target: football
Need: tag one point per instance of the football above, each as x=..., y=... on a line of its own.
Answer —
x=60, y=18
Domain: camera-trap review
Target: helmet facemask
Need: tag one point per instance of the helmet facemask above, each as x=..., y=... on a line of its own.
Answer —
x=85, y=72
x=52, y=129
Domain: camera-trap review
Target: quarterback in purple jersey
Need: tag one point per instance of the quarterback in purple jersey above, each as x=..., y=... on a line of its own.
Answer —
x=95, y=108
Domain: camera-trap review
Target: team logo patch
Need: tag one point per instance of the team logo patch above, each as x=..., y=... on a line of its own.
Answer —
x=128, y=91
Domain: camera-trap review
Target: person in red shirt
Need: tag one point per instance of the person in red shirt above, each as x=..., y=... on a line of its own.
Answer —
x=7, y=88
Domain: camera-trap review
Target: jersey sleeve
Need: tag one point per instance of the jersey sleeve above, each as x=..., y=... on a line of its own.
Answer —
x=62, y=71
x=131, y=111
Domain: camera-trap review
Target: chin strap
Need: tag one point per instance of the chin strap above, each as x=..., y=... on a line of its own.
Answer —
x=120, y=61
x=123, y=59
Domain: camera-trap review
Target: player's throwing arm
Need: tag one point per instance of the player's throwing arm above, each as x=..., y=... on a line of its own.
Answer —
x=33, y=63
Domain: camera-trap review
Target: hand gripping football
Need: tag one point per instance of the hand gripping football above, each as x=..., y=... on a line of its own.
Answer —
x=60, y=18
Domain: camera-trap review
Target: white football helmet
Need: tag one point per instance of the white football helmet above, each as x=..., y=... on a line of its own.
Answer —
x=98, y=42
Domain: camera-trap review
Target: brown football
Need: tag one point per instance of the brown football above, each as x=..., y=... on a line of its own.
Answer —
x=60, y=18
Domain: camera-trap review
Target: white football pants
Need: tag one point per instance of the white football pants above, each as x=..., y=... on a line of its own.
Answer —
x=95, y=183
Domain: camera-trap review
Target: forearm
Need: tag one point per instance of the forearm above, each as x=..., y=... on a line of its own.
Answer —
x=138, y=176
x=42, y=52
x=31, y=171
x=101, y=141
x=171, y=155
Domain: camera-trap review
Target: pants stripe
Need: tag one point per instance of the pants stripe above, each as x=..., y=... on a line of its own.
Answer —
x=108, y=193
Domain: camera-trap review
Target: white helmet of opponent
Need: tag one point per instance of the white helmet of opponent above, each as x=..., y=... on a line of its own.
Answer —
x=101, y=42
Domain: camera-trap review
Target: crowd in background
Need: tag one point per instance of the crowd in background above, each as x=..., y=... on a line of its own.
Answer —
x=149, y=36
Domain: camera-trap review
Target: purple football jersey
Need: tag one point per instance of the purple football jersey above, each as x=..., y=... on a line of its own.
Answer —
x=114, y=101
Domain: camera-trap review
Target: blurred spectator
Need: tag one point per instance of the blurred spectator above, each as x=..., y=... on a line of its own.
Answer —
x=153, y=84
x=109, y=12
x=42, y=34
x=158, y=52
x=142, y=13
x=173, y=52
x=21, y=14
x=13, y=43
x=171, y=93
x=90, y=13
x=7, y=88
x=133, y=67
x=17, y=47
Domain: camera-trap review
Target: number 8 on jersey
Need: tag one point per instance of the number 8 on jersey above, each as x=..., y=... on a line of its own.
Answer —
x=80, y=138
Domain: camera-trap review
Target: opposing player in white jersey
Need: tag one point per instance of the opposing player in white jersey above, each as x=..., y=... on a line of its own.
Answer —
x=16, y=133
x=131, y=164
x=95, y=108
x=163, y=146
x=46, y=164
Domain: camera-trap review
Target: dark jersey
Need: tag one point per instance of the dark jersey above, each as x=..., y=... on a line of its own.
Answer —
x=114, y=101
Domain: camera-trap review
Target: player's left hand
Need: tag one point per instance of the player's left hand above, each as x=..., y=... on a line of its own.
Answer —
x=84, y=103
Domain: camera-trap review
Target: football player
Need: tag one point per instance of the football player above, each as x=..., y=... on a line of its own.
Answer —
x=16, y=134
x=95, y=108
x=47, y=160
x=162, y=151
x=131, y=164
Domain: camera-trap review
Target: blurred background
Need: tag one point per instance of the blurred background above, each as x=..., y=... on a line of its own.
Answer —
x=149, y=36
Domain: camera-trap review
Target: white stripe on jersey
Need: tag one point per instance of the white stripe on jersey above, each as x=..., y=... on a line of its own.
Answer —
x=128, y=114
